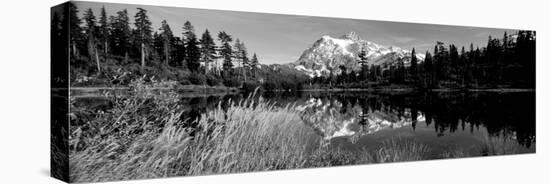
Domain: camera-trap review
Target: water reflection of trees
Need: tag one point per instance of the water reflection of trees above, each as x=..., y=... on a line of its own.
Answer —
x=503, y=114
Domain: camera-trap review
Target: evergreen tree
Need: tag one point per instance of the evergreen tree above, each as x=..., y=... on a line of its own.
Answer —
x=241, y=56
x=400, y=73
x=208, y=50
x=237, y=54
x=188, y=31
x=71, y=23
x=226, y=52
x=193, y=54
x=414, y=64
x=439, y=61
x=364, y=64
x=120, y=36
x=143, y=33
x=429, y=68
x=254, y=64
x=103, y=34
x=245, y=60
x=167, y=39
x=91, y=32
x=464, y=67
x=179, y=52
x=158, y=47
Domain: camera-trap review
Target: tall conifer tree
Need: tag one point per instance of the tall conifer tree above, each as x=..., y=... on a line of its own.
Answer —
x=143, y=33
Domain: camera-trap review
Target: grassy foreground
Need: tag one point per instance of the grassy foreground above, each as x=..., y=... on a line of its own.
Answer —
x=145, y=136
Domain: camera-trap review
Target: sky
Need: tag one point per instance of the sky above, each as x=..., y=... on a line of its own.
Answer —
x=281, y=39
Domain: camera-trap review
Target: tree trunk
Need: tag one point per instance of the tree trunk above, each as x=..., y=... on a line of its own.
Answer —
x=92, y=52
x=105, y=49
x=142, y=57
x=74, y=48
x=97, y=60
x=244, y=72
x=216, y=71
x=205, y=67
x=166, y=55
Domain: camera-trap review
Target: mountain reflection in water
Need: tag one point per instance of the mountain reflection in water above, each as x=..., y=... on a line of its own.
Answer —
x=330, y=119
x=458, y=116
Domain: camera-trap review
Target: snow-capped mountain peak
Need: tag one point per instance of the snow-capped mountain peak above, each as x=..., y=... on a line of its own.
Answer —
x=328, y=54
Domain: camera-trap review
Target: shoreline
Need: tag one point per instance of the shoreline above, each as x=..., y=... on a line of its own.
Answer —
x=186, y=90
x=413, y=89
x=203, y=91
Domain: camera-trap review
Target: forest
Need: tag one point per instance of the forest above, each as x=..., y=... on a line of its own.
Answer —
x=109, y=51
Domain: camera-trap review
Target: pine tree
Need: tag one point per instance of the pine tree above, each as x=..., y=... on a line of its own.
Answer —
x=193, y=53
x=237, y=52
x=373, y=75
x=208, y=50
x=463, y=66
x=246, y=62
x=244, y=59
x=226, y=52
x=158, y=46
x=414, y=63
x=241, y=56
x=254, y=64
x=143, y=33
x=91, y=31
x=71, y=23
x=364, y=64
x=103, y=30
x=120, y=36
x=400, y=73
x=429, y=70
x=179, y=52
x=167, y=39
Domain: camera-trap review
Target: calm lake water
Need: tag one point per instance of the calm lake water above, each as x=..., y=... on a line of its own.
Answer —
x=441, y=120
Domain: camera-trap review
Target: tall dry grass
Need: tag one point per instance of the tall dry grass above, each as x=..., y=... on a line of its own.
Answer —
x=124, y=143
x=399, y=150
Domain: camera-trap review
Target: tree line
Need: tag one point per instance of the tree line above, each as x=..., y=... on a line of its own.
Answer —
x=104, y=48
x=507, y=62
x=99, y=47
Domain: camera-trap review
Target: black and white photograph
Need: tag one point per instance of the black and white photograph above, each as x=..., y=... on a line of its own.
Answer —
x=155, y=92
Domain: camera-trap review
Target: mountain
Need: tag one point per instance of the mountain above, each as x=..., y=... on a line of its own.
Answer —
x=329, y=53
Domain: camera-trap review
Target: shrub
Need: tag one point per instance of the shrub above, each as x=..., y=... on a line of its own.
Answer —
x=197, y=79
x=270, y=85
x=231, y=82
x=212, y=80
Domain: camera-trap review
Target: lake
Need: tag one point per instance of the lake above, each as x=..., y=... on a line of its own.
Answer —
x=364, y=120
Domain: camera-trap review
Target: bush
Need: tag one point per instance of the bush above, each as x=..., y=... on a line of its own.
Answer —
x=231, y=82
x=212, y=80
x=270, y=85
x=197, y=79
